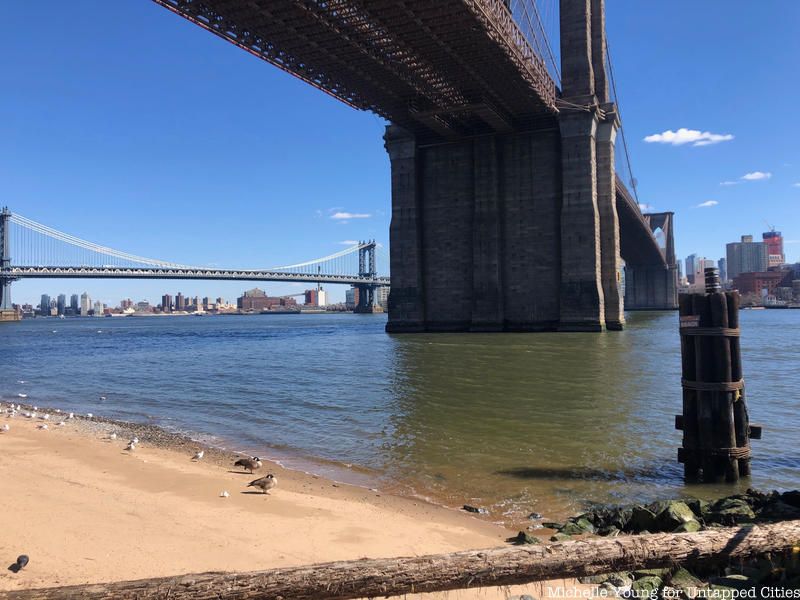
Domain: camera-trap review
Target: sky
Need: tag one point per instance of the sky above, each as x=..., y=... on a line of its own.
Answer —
x=125, y=125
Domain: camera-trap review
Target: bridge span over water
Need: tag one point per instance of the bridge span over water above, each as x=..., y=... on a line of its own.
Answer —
x=30, y=250
x=507, y=209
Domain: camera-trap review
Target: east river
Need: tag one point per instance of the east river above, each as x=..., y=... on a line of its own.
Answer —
x=514, y=423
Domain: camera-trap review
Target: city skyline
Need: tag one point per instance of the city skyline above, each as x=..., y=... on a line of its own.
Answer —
x=284, y=172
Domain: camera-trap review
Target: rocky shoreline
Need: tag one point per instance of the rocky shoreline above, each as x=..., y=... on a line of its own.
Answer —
x=772, y=575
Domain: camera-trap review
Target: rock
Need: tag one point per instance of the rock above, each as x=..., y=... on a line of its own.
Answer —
x=780, y=510
x=534, y=516
x=620, y=517
x=622, y=579
x=684, y=581
x=730, y=511
x=675, y=514
x=476, y=510
x=593, y=579
x=736, y=582
x=640, y=573
x=699, y=507
x=571, y=528
x=552, y=525
x=642, y=519
x=646, y=586
x=523, y=538
x=791, y=498
x=688, y=527
x=610, y=531
x=560, y=537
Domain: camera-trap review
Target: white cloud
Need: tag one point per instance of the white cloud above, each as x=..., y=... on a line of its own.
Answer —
x=796, y=184
x=348, y=242
x=343, y=216
x=683, y=136
x=645, y=207
x=730, y=182
x=707, y=204
x=756, y=176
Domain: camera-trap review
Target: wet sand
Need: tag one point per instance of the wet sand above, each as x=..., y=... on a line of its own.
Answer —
x=87, y=511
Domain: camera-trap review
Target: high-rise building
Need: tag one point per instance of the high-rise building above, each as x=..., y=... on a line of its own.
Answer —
x=98, y=309
x=691, y=267
x=44, y=306
x=74, y=304
x=722, y=265
x=180, y=302
x=774, y=241
x=746, y=256
x=166, y=303
x=61, y=304
x=316, y=297
x=86, y=304
x=351, y=297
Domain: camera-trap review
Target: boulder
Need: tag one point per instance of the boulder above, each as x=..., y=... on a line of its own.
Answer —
x=736, y=582
x=560, y=537
x=642, y=519
x=523, y=538
x=791, y=498
x=688, y=527
x=699, y=507
x=684, y=581
x=730, y=511
x=646, y=586
x=552, y=525
x=640, y=573
x=622, y=579
x=675, y=514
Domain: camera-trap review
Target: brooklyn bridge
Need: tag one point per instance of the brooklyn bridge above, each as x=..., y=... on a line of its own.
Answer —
x=513, y=203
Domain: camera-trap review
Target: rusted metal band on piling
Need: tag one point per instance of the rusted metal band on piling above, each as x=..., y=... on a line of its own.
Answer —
x=710, y=331
x=722, y=386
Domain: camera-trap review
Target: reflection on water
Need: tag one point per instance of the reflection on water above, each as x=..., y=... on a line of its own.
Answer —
x=514, y=422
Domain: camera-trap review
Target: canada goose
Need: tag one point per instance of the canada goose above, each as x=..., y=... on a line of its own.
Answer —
x=265, y=483
x=251, y=464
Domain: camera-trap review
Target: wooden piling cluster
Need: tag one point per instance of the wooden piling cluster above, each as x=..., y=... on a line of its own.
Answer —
x=715, y=423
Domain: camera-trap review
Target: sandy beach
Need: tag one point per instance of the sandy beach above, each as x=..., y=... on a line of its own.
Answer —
x=86, y=511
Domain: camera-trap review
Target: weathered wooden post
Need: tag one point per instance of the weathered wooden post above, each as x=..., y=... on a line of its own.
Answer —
x=715, y=423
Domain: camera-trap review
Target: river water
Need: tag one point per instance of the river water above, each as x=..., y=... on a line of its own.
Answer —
x=512, y=422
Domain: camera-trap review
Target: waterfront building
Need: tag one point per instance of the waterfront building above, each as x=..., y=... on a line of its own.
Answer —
x=316, y=297
x=382, y=296
x=180, y=302
x=74, y=304
x=774, y=241
x=44, y=305
x=86, y=304
x=256, y=300
x=746, y=256
x=126, y=304
x=351, y=298
x=722, y=265
x=61, y=304
x=166, y=303
x=98, y=309
x=765, y=283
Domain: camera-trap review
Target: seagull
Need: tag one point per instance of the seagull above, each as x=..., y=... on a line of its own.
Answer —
x=131, y=446
x=71, y=416
x=102, y=397
x=6, y=427
x=89, y=415
x=265, y=483
x=22, y=395
x=113, y=436
x=135, y=440
x=199, y=455
x=43, y=426
x=22, y=381
x=61, y=423
x=224, y=494
x=250, y=464
x=45, y=417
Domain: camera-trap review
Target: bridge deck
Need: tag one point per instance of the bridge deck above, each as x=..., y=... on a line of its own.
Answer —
x=449, y=66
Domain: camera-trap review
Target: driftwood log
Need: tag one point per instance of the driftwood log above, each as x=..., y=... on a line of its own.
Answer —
x=373, y=578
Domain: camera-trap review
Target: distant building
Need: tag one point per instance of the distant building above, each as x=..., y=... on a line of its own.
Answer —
x=98, y=309
x=166, y=303
x=765, y=283
x=746, y=256
x=382, y=297
x=256, y=300
x=86, y=304
x=61, y=304
x=691, y=267
x=126, y=304
x=774, y=241
x=180, y=302
x=351, y=298
x=74, y=304
x=316, y=297
x=44, y=305
x=722, y=265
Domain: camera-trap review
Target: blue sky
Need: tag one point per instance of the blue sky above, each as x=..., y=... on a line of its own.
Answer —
x=128, y=126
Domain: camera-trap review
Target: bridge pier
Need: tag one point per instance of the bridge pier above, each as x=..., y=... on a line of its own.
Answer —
x=651, y=287
x=5, y=260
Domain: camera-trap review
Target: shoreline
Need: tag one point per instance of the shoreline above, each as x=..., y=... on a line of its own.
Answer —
x=87, y=511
